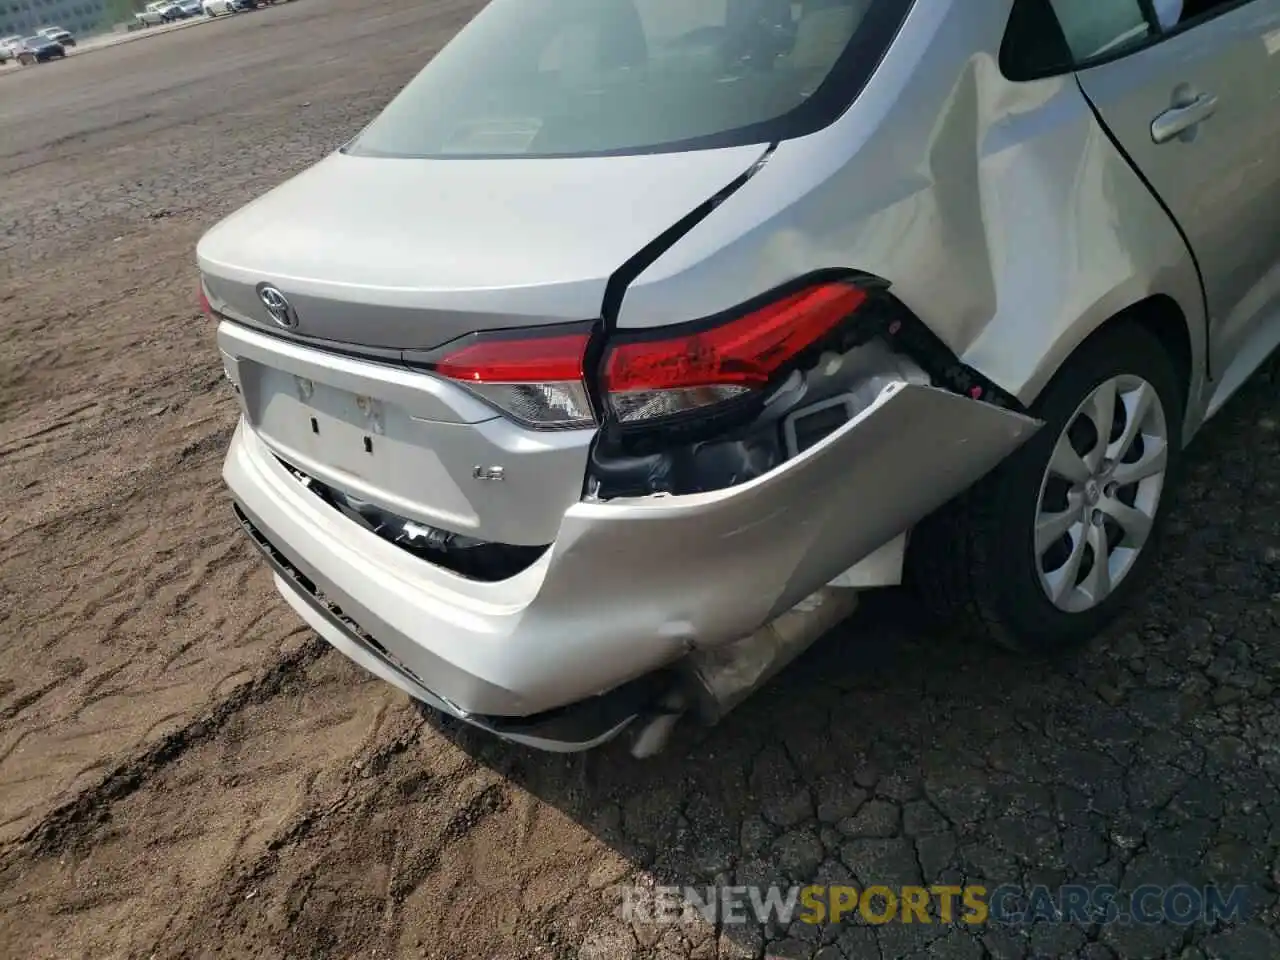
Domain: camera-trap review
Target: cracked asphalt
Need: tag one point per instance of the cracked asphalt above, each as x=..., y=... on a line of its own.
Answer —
x=186, y=771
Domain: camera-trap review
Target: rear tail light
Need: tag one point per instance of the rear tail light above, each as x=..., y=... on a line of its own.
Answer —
x=537, y=377
x=649, y=378
x=205, y=306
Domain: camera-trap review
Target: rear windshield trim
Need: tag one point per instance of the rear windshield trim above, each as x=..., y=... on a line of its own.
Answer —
x=833, y=97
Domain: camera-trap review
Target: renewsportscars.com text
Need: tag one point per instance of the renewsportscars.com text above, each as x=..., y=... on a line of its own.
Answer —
x=1179, y=904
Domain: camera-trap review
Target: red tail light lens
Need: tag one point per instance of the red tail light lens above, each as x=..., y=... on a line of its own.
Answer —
x=524, y=360
x=652, y=378
x=534, y=376
x=205, y=306
x=538, y=376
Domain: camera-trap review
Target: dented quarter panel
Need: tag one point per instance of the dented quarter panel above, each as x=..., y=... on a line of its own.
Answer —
x=1000, y=212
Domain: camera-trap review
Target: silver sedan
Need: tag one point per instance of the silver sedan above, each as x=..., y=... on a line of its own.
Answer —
x=633, y=339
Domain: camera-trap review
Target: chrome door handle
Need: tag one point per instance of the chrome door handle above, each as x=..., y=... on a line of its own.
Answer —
x=1183, y=119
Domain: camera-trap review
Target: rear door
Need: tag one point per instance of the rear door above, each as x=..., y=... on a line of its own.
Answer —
x=1193, y=97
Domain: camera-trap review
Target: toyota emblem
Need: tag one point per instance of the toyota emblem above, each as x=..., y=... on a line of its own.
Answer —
x=277, y=305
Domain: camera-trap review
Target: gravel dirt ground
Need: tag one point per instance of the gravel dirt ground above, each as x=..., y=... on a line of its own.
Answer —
x=186, y=771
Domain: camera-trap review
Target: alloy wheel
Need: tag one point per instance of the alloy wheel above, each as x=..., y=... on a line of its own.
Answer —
x=1100, y=493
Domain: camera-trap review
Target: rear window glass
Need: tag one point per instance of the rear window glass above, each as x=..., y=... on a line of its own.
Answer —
x=537, y=78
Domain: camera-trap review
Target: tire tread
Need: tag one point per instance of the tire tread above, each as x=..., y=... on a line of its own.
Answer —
x=951, y=564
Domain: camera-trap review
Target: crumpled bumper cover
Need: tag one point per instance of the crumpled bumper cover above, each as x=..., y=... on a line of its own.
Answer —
x=629, y=586
x=578, y=726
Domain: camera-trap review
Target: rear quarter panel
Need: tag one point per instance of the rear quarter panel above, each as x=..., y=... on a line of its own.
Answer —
x=1000, y=212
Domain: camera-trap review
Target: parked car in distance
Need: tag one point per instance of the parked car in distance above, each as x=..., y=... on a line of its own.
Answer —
x=58, y=35
x=38, y=49
x=218, y=8
x=9, y=45
x=585, y=384
x=157, y=12
x=191, y=8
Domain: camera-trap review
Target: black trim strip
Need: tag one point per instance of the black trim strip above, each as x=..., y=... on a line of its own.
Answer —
x=645, y=257
x=386, y=356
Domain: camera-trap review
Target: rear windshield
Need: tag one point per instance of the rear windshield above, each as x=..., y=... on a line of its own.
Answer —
x=540, y=78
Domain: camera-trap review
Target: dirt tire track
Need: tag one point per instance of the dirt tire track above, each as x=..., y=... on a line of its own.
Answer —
x=72, y=823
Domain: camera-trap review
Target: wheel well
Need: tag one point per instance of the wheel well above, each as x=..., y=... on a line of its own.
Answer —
x=1160, y=316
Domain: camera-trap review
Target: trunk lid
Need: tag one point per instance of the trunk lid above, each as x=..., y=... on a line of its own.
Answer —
x=405, y=254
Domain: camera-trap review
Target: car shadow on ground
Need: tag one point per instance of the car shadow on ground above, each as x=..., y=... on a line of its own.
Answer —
x=823, y=767
x=893, y=754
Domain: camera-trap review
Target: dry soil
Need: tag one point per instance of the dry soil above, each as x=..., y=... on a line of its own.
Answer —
x=186, y=771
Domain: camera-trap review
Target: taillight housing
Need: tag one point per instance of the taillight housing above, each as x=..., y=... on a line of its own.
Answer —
x=546, y=377
x=674, y=373
x=536, y=376
x=205, y=307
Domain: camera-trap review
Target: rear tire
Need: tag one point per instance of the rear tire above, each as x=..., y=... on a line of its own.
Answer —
x=1011, y=560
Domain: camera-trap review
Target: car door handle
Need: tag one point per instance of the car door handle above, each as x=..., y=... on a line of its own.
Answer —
x=1178, y=120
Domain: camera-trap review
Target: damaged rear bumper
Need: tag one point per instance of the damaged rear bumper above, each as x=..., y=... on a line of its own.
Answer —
x=630, y=586
x=578, y=726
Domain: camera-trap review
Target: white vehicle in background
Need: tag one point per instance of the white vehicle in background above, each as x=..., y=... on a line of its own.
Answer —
x=9, y=47
x=157, y=12
x=218, y=8
x=58, y=35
